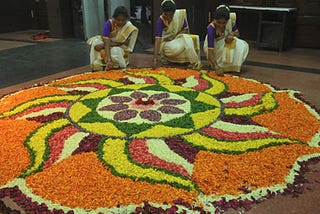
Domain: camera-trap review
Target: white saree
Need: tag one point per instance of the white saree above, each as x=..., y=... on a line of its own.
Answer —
x=229, y=57
x=127, y=35
x=184, y=47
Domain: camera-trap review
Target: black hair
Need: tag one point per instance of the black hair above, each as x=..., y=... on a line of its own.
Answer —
x=222, y=13
x=168, y=6
x=121, y=11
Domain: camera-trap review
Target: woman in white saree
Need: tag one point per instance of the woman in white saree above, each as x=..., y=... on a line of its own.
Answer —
x=172, y=40
x=111, y=50
x=225, y=51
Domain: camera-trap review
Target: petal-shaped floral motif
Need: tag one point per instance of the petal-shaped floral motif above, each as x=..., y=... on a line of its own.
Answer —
x=125, y=115
x=170, y=110
x=120, y=99
x=137, y=95
x=166, y=139
x=151, y=115
x=114, y=107
x=172, y=102
x=160, y=96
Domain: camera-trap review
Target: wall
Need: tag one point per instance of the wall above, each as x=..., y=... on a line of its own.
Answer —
x=93, y=17
x=60, y=18
x=40, y=14
x=113, y=4
x=15, y=15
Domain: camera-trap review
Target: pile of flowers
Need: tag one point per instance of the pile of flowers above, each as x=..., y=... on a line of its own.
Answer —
x=158, y=141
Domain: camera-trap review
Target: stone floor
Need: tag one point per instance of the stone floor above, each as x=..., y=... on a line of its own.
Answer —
x=23, y=65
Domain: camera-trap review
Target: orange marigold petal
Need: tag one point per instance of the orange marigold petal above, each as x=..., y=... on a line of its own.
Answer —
x=178, y=74
x=111, y=75
x=241, y=85
x=173, y=73
x=14, y=156
x=13, y=100
x=291, y=119
x=224, y=174
x=83, y=181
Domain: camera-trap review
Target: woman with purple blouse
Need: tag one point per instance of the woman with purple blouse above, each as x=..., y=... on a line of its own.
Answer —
x=173, y=42
x=111, y=50
x=225, y=51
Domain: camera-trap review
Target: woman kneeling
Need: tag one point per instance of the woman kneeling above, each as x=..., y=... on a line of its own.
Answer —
x=172, y=39
x=111, y=50
x=225, y=51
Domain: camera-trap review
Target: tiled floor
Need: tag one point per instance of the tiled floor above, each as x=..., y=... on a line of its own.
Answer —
x=26, y=63
x=298, y=57
x=297, y=69
x=4, y=45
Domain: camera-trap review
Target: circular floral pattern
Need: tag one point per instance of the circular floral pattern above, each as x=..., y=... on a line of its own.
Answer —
x=144, y=112
x=151, y=141
x=143, y=107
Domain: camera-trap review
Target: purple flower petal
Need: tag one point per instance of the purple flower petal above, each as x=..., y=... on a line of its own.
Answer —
x=228, y=94
x=160, y=96
x=125, y=115
x=126, y=81
x=173, y=102
x=170, y=110
x=151, y=115
x=242, y=120
x=47, y=118
x=180, y=81
x=88, y=144
x=114, y=107
x=120, y=99
x=183, y=149
x=138, y=94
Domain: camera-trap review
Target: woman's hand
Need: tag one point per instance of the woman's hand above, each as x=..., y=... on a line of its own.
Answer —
x=99, y=47
x=155, y=62
x=109, y=63
x=229, y=38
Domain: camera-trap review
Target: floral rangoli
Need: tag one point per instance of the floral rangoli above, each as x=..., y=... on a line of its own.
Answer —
x=151, y=141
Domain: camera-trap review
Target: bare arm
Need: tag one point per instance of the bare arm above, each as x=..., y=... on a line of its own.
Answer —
x=107, y=58
x=213, y=62
x=212, y=59
x=236, y=33
x=114, y=44
x=156, y=50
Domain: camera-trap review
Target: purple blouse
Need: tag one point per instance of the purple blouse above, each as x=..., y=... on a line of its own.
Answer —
x=107, y=29
x=213, y=35
x=161, y=25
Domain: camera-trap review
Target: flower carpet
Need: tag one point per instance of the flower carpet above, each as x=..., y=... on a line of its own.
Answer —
x=152, y=141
